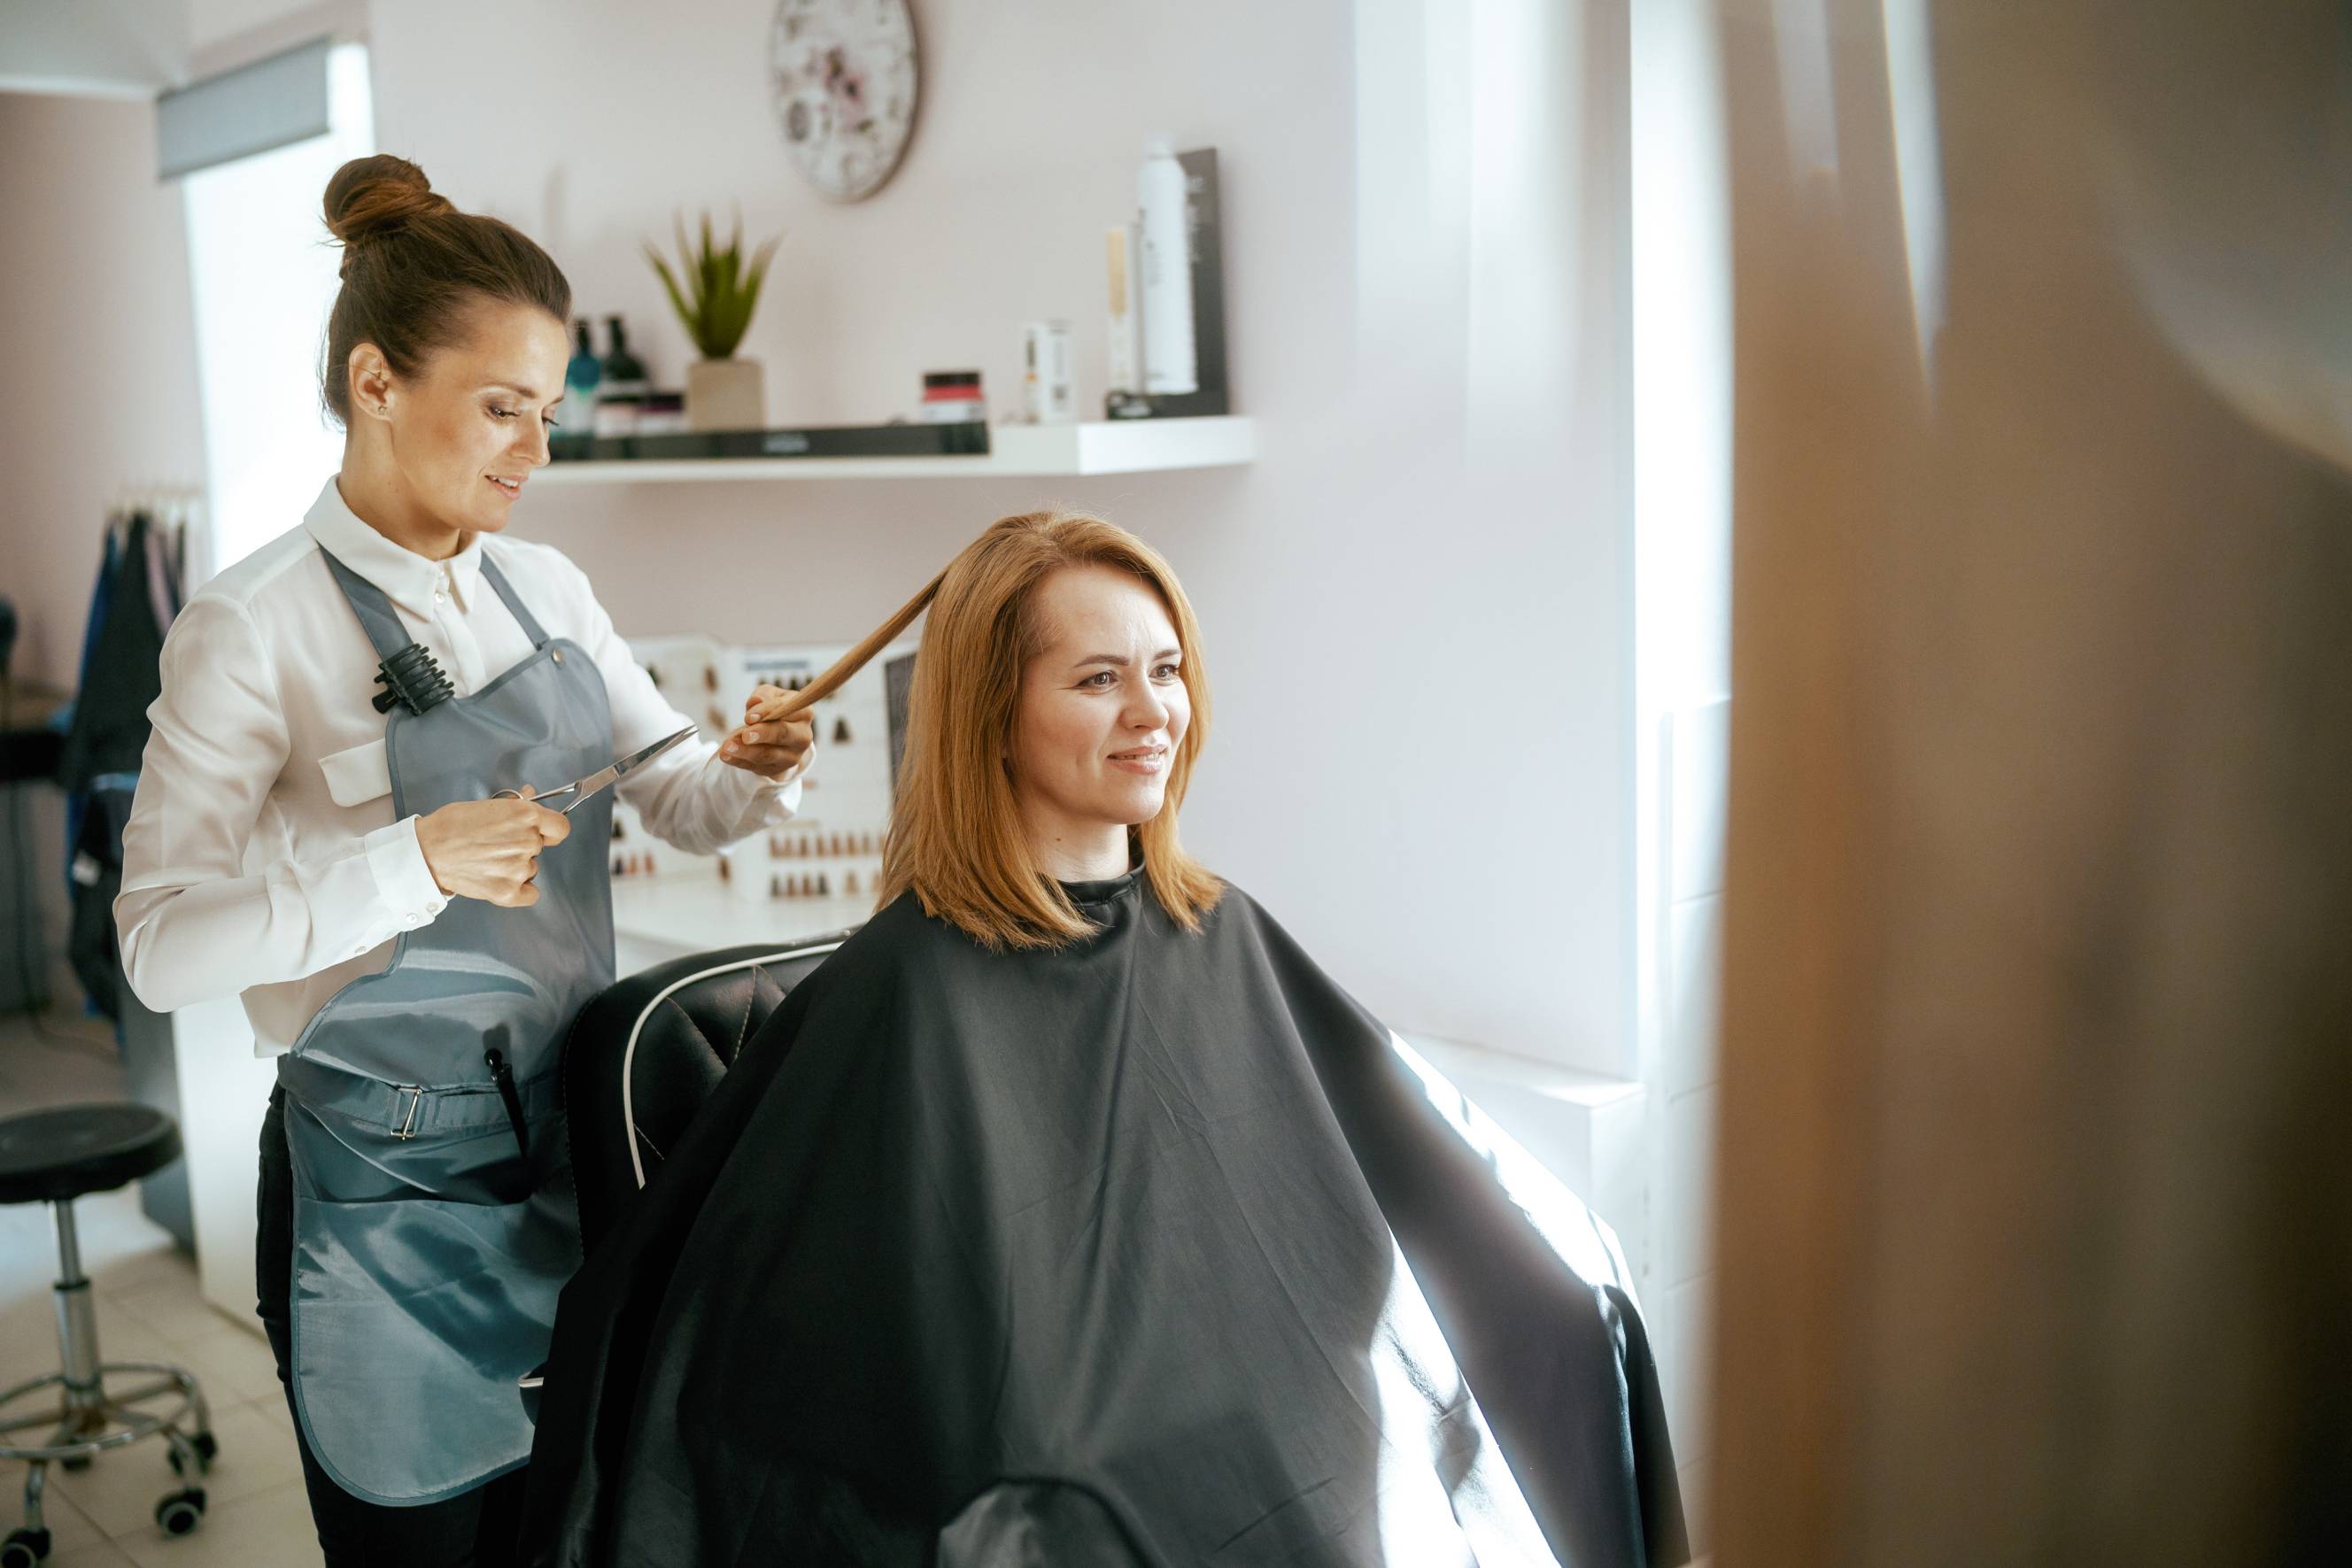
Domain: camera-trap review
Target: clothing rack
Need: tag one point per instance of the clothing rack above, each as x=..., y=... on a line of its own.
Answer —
x=176, y=512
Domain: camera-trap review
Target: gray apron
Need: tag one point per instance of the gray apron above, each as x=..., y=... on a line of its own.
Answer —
x=434, y=1216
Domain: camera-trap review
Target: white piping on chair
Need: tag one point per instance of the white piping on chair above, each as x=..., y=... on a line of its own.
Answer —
x=629, y=1056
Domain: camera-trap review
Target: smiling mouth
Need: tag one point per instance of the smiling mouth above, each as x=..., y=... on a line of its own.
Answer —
x=510, y=488
x=1148, y=758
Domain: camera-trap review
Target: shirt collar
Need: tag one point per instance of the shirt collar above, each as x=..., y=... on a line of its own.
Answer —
x=407, y=578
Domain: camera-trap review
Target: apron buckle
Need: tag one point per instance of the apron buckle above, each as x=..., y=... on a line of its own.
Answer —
x=408, y=1128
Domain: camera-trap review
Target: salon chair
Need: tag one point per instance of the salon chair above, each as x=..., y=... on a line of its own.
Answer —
x=646, y=1051
x=643, y=1056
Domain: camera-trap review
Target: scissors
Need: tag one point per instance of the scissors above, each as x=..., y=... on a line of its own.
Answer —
x=579, y=789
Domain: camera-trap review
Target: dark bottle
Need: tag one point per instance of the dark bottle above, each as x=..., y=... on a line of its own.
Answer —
x=624, y=370
x=581, y=376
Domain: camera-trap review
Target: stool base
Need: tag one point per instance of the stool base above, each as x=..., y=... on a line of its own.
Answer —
x=87, y=1420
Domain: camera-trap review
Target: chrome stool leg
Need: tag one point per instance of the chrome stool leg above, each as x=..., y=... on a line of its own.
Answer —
x=85, y=1395
x=86, y=1420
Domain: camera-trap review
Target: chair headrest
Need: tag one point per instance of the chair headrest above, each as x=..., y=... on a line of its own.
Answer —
x=646, y=1051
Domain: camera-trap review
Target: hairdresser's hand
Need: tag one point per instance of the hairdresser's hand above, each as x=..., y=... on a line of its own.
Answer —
x=767, y=744
x=490, y=848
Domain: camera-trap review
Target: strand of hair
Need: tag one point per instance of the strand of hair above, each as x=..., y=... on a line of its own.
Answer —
x=837, y=675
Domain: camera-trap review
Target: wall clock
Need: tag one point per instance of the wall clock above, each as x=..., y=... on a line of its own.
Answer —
x=846, y=83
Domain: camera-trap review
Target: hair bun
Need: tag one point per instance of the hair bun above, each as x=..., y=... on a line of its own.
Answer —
x=369, y=198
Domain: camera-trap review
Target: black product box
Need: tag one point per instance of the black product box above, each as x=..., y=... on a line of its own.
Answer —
x=967, y=440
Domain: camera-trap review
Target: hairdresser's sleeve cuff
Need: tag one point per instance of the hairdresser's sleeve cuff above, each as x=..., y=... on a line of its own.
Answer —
x=403, y=880
x=763, y=802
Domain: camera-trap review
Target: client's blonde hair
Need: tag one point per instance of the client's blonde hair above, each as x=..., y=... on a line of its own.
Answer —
x=956, y=838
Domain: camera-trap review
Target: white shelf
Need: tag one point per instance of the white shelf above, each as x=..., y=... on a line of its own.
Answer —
x=673, y=914
x=1017, y=451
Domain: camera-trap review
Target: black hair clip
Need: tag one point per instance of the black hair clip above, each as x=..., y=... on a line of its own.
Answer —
x=411, y=678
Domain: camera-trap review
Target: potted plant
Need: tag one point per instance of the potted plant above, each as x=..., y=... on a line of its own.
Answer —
x=715, y=302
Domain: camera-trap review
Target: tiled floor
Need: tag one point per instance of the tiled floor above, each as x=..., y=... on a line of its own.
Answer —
x=148, y=1310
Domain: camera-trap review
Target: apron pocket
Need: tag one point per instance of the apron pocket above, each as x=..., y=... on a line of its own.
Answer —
x=412, y=1320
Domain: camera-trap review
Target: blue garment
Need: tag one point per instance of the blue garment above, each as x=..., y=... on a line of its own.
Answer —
x=76, y=800
x=122, y=677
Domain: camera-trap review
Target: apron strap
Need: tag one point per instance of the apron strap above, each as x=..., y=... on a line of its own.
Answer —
x=523, y=617
x=381, y=623
x=377, y=617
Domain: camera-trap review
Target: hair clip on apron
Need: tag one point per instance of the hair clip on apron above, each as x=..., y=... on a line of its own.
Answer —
x=412, y=679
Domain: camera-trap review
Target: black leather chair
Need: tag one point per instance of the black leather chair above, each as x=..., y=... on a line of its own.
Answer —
x=648, y=1050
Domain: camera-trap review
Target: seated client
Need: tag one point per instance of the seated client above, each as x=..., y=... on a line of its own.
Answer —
x=1069, y=1214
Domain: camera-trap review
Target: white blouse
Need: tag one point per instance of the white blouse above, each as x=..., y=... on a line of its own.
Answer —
x=261, y=856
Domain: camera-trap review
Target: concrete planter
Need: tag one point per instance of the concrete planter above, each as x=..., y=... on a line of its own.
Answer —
x=725, y=394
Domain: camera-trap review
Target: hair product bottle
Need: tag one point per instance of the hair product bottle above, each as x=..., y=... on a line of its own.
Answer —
x=1169, y=362
x=1126, y=323
x=580, y=378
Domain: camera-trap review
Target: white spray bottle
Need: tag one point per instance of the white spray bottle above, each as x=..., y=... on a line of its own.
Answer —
x=1169, y=366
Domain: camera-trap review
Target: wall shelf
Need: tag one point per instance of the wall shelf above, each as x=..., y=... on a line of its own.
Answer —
x=1017, y=451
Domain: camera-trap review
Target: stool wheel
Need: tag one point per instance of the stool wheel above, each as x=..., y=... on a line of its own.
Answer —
x=208, y=1449
x=180, y=1512
x=25, y=1549
x=79, y=1463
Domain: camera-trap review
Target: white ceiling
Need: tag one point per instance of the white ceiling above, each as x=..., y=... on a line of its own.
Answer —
x=137, y=49
x=114, y=48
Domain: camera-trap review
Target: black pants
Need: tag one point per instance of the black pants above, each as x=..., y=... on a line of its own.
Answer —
x=474, y=1530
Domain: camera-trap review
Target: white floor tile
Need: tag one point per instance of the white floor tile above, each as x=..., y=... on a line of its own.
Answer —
x=113, y=1233
x=28, y=1340
x=270, y=1529
x=119, y=1491
x=233, y=1364
x=168, y=1302
x=133, y=1270
x=104, y=1554
x=69, y=1526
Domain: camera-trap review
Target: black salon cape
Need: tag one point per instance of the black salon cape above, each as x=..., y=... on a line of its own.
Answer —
x=1075, y=1257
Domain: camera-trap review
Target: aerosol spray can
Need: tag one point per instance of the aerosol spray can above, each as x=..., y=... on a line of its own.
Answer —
x=1169, y=363
x=1048, y=395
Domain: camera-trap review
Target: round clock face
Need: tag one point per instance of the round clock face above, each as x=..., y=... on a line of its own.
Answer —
x=846, y=85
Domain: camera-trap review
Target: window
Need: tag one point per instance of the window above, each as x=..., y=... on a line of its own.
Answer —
x=263, y=277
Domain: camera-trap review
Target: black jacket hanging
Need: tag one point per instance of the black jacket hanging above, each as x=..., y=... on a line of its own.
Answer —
x=122, y=675
x=91, y=946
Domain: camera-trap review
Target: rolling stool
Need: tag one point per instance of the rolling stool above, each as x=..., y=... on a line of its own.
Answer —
x=54, y=1157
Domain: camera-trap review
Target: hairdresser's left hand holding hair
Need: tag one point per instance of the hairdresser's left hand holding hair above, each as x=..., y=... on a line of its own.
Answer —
x=770, y=748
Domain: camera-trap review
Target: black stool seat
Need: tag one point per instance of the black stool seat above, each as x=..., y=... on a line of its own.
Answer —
x=48, y=1156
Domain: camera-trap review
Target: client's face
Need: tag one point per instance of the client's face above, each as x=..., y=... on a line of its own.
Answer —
x=1102, y=709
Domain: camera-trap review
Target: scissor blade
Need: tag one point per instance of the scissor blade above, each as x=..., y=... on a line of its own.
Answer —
x=638, y=759
x=604, y=777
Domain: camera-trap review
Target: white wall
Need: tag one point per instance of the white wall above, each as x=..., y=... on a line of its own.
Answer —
x=1417, y=603
x=97, y=392
x=1682, y=326
x=98, y=382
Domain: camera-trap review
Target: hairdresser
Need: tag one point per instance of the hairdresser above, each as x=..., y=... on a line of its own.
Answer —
x=372, y=806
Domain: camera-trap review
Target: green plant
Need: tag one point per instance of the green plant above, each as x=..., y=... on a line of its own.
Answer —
x=721, y=290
